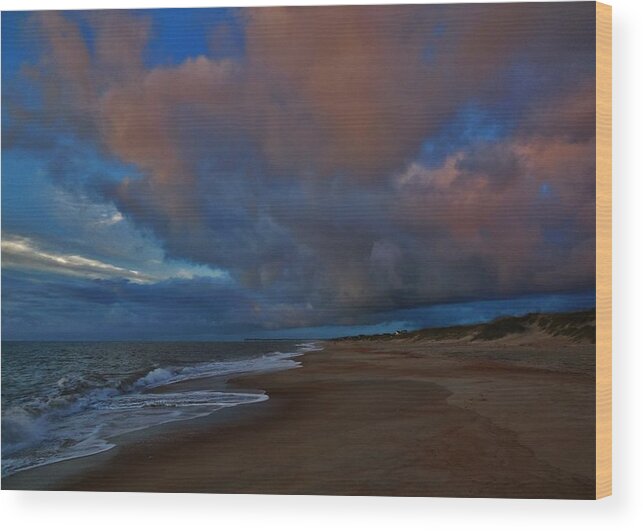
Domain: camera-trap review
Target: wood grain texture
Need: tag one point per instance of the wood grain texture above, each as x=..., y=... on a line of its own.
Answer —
x=603, y=250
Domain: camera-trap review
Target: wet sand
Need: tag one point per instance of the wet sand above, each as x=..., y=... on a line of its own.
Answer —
x=507, y=418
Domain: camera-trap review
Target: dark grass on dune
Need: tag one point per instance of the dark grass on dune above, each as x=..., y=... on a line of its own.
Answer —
x=577, y=326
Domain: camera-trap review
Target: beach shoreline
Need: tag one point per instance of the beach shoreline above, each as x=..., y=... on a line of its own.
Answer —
x=383, y=417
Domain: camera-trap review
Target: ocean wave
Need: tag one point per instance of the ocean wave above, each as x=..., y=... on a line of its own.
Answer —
x=21, y=428
x=78, y=415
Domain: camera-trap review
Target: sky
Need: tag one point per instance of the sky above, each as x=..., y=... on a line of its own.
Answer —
x=197, y=174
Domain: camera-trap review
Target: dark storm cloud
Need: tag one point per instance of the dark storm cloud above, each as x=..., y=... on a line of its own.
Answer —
x=300, y=166
x=41, y=307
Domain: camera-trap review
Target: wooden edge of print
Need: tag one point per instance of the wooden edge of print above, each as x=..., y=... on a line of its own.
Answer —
x=603, y=250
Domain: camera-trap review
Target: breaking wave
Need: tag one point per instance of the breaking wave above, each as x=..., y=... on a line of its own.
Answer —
x=80, y=413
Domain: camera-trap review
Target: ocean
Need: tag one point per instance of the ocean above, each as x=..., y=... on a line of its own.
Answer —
x=62, y=400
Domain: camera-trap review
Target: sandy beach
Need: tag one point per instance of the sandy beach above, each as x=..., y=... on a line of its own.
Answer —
x=512, y=417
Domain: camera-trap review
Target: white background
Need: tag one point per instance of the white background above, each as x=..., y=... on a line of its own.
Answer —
x=624, y=510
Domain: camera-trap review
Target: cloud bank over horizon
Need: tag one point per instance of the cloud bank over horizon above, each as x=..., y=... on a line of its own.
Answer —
x=265, y=169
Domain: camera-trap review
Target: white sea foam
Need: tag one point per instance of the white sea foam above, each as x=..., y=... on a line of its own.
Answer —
x=81, y=415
